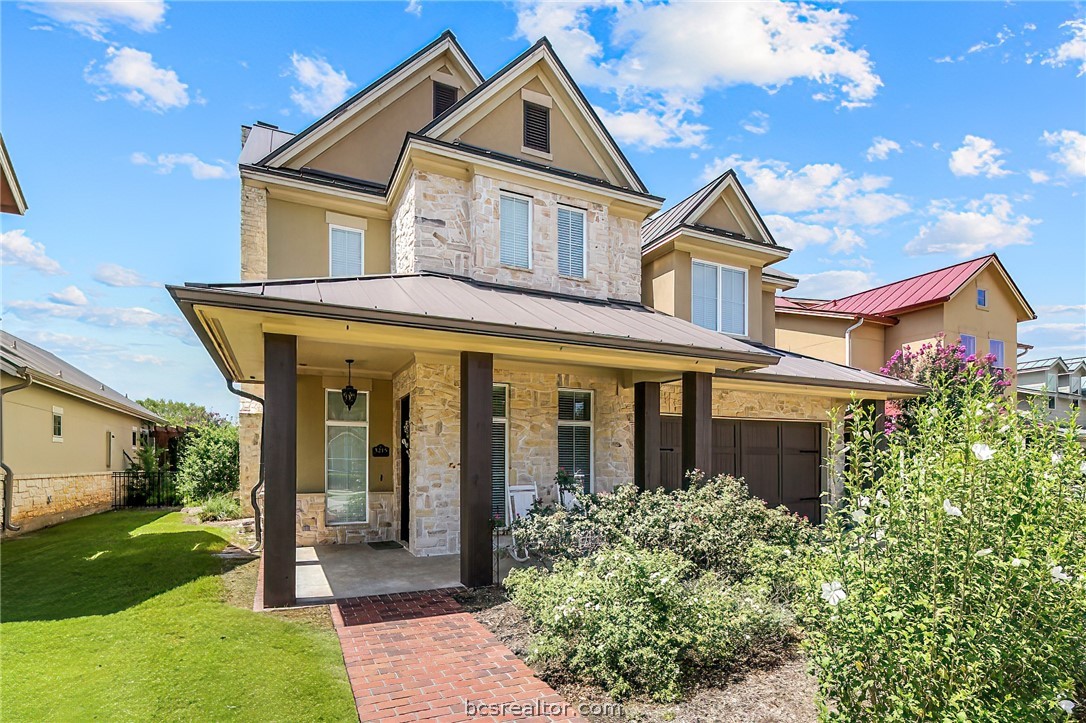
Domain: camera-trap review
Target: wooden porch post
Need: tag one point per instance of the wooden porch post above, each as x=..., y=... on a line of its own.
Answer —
x=647, y=435
x=476, y=430
x=697, y=423
x=280, y=465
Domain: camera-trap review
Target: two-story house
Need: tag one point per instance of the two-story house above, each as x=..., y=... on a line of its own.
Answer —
x=1057, y=385
x=442, y=305
x=975, y=303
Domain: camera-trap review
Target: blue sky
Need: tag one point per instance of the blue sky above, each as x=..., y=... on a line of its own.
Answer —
x=879, y=140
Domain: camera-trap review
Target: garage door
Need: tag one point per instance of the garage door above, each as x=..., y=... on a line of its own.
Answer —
x=780, y=461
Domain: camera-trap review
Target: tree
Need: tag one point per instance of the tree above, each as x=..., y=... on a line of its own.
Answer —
x=209, y=463
x=184, y=414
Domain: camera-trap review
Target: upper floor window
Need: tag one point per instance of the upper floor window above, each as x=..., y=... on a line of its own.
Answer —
x=444, y=97
x=719, y=298
x=970, y=343
x=515, y=222
x=995, y=348
x=571, y=242
x=537, y=127
x=982, y=298
x=345, y=250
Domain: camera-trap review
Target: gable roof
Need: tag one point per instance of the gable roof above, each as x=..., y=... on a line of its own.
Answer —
x=442, y=43
x=1047, y=363
x=685, y=213
x=928, y=289
x=540, y=51
x=11, y=193
x=51, y=371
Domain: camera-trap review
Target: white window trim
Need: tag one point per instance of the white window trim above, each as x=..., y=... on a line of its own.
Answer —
x=57, y=412
x=720, y=294
x=504, y=421
x=584, y=242
x=345, y=423
x=362, y=243
x=531, y=241
x=591, y=432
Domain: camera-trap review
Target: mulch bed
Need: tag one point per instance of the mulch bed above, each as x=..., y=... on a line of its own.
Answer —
x=780, y=691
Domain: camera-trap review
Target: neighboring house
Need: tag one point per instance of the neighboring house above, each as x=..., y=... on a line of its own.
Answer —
x=1055, y=384
x=976, y=302
x=462, y=258
x=64, y=434
x=11, y=194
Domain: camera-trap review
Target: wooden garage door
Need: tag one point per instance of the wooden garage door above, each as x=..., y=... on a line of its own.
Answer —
x=780, y=461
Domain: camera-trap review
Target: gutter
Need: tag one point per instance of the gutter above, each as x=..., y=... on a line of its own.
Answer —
x=848, y=340
x=257, y=526
x=9, y=476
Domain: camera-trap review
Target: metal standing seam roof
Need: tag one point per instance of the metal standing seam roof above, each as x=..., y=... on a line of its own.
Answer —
x=45, y=366
x=800, y=369
x=930, y=288
x=439, y=300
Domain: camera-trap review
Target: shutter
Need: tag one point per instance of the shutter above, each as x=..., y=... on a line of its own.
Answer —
x=444, y=97
x=514, y=231
x=704, y=286
x=346, y=252
x=570, y=242
x=498, y=469
x=733, y=306
x=537, y=127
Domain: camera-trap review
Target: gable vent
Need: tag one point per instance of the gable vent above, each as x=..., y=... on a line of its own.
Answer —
x=537, y=127
x=444, y=97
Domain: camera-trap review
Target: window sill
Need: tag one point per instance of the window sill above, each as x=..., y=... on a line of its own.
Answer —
x=545, y=155
x=58, y=439
x=523, y=269
x=573, y=278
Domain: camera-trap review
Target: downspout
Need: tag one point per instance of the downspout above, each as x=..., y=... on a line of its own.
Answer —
x=9, y=476
x=848, y=341
x=257, y=527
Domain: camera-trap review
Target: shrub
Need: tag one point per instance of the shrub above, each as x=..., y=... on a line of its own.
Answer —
x=953, y=586
x=636, y=620
x=209, y=463
x=220, y=507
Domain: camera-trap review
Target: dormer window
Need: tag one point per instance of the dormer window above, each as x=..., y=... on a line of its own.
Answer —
x=445, y=97
x=537, y=127
x=719, y=298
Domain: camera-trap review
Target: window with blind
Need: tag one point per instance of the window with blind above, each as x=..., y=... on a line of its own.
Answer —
x=444, y=97
x=537, y=127
x=970, y=343
x=719, y=297
x=345, y=251
x=995, y=348
x=571, y=242
x=575, y=435
x=499, y=454
x=515, y=220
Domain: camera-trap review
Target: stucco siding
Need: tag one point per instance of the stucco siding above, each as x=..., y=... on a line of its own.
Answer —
x=298, y=240
x=999, y=320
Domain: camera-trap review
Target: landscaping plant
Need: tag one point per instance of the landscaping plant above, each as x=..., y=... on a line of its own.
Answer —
x=951, y=584
x=209, y=463
x=220, y=507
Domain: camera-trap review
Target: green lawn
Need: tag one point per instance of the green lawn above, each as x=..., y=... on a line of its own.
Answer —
x=123, y=616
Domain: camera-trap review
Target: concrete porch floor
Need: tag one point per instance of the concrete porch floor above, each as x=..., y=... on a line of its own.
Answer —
x=330, y=572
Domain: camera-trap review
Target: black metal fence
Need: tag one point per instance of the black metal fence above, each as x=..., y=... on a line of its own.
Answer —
x=135, y=488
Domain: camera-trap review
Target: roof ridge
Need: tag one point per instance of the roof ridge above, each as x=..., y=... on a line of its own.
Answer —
x=911, y=278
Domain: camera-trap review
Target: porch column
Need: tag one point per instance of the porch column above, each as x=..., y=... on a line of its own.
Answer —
x=476, y=429
x=647, y=435
x=280, y=467
x=697, y=423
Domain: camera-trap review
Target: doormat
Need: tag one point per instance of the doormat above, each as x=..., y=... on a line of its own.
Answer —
x=385, y=545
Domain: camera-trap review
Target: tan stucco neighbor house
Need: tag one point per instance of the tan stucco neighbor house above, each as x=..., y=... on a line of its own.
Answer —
x=64, y=434
x=467, y=260
x=975, y=302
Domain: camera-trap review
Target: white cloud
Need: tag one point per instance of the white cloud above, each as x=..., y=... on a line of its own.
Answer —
x=1068, y=330
x=757, y=123
x=18, y=249
x=824, y=191
x=1062, y=309
x=1001, y=37
x=881, y=148
x=1036, y=176
x=666, y=56
x=981, y=226
x=414, y=7
x=134, y=75
x=1072, y=51
x=94, y=18
x=1070, y=150
x=119, y=276
x=108, y=317
x=977, y=156
x=200, y=170
x=797, y=235
x=73, y=345
x=834, y=284
x=70, y=295
x=320, y=86
x=646, y=128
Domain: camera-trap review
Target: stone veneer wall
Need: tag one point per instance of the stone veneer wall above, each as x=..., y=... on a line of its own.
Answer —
x=41, y=500
x=756, y=405
x=311, y=528
x=250, y=417
x=254, y=233
x=449, y=225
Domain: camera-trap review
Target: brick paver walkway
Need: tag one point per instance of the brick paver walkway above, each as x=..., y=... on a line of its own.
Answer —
x=419, y=656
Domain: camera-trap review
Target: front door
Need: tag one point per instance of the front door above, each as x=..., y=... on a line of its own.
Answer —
x=405, y=468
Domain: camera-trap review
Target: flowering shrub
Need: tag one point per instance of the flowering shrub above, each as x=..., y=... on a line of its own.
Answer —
x=636, y=620
x=953, y=586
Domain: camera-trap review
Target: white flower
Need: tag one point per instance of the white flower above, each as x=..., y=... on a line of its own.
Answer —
x=833, y=593
x=1066, y=705
x=951, y=509
x=1058, y=575
x=879, y=533
x=985, y=551
x=982, y=451
x=1018, y=562
x=1082, y=468
x=865, y=501
x=859, y=516
x=1057, y=458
